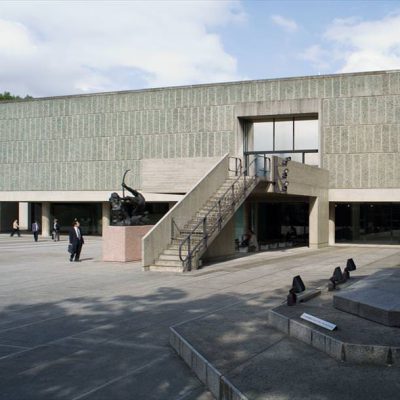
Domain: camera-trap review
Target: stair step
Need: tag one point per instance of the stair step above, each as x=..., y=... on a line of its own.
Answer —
x=160, y=268
x=169, y=257
x=169, y=263
x=172, y=252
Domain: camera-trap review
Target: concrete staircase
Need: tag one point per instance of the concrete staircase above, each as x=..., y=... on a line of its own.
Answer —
x=207, y=222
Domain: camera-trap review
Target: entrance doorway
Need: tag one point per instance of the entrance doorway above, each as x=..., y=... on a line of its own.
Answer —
x=282, y=223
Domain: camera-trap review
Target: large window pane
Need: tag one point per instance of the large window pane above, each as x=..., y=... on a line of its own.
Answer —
x=283, y=135
x=305, y=134
x=263, y=136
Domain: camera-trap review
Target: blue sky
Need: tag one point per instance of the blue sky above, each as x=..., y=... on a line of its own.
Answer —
x=65, y=47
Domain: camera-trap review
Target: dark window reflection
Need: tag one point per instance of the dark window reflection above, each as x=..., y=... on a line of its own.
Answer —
x=88, y=214
x=280, y=222
x=375, y=223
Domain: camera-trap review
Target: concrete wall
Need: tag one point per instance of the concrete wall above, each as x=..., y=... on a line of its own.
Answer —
x=86, y=142
x=224, y=243
x=174, y=175
x=159, y=237
x=312, y=182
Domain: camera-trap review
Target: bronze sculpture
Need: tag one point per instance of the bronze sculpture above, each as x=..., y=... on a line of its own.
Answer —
x=128, y=210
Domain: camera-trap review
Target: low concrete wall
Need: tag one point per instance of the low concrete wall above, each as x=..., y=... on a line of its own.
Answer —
x=160, y=236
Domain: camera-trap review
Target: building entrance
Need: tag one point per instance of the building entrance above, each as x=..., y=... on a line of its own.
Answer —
x=282, y=223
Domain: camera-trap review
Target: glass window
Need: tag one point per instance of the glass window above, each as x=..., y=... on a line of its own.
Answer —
x=263, y=136
x=283, y=135
x=375, y=223
x=306, y=134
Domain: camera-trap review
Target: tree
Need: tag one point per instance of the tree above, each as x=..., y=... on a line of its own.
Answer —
x=8, y=96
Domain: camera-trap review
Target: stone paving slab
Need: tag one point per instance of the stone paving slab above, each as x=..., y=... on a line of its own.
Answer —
x=375, y=297
x=116, y=317
x=239, y=355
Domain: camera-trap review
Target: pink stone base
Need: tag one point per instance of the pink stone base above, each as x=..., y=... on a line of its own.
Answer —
x=123, y=243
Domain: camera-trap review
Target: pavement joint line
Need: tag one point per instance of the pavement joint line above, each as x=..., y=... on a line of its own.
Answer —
x=30, y=324
x=13, y=346
x=132, y=372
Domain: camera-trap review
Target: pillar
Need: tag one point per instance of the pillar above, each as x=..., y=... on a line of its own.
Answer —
x=332, y=224
x=23, y=216
x=46, y=219
x=105, y=219
x=318, y=222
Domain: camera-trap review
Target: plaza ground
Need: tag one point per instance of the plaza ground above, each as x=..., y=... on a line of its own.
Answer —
x=96, y=330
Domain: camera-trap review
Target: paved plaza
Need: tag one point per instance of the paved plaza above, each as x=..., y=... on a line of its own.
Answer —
x=96, y=330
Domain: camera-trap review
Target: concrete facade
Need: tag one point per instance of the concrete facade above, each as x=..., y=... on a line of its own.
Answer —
x=84, y=142
x=77, y=147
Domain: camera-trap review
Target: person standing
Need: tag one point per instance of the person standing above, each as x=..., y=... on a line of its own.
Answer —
x=15, y=228
x=76, y=241
x=56, y=231
x=35, y=230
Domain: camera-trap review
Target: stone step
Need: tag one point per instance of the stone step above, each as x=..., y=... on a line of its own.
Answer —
x=168, y=263
x=160, y=268
x=172, y=251
x=169, y=257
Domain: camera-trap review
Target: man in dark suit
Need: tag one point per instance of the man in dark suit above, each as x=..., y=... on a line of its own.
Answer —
x=76, y=241
x=35, y=230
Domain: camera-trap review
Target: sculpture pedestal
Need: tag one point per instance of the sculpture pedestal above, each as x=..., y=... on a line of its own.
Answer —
x=123, y=243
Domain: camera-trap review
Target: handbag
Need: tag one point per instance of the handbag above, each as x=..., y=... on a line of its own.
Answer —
x=70, y=248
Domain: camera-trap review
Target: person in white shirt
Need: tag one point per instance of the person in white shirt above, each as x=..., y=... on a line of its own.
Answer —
x=15, y=229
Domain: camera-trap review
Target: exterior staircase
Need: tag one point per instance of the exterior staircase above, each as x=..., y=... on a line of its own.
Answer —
x=190, y=241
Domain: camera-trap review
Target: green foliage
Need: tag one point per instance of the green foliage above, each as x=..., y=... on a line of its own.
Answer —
x=8, y=96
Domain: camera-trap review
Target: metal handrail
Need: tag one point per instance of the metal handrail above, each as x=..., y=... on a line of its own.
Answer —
x=238, y=161
x=173, y=227
x=221, y=215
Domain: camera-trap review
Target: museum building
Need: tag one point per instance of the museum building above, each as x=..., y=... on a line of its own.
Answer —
x=323, y=152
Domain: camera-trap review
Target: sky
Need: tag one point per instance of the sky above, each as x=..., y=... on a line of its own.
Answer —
x=51, y=48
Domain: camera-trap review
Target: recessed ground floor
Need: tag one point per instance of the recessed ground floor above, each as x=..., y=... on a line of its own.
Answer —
x=276, y=221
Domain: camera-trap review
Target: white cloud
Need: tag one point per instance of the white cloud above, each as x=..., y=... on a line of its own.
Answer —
x=369, y=45
x=287, y=24
x=317, y=56
x=352, y=45
x=72, y=47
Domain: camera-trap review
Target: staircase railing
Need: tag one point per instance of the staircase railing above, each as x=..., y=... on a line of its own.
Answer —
x=223, y=207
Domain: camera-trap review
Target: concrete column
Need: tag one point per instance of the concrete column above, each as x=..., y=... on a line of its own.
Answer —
x=318, y=222
x=332, y=223
x=105, y=220
x=23, y=215
x=45, y=219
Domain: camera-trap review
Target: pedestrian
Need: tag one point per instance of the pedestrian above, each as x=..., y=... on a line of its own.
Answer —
x=75, y=241
x=56, y=231
x=15, y=228
x=35, y=230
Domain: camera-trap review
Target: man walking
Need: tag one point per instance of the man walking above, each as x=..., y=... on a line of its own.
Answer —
x=76, y=241
x=35, y=230
x=56, y=231
x=15, y=229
